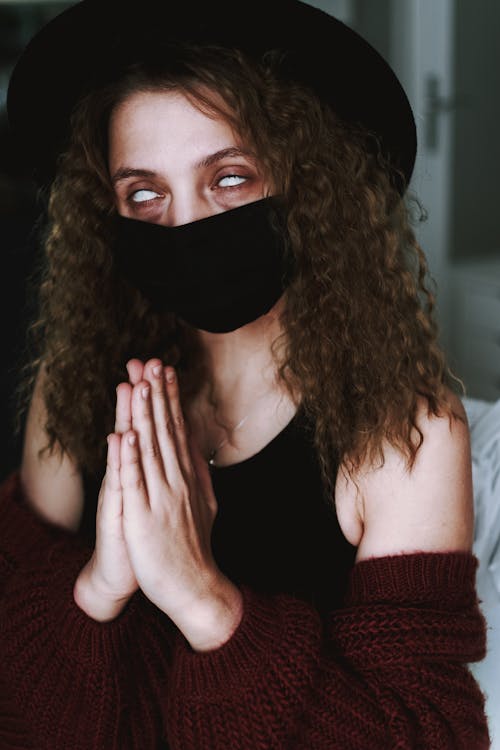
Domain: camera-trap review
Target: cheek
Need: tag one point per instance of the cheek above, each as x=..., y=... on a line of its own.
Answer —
x=233, y=198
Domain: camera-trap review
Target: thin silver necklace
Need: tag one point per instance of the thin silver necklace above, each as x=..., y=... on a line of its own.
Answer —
x=214, y=451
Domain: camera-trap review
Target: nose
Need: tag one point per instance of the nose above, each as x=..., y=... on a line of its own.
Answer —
x=185, y=208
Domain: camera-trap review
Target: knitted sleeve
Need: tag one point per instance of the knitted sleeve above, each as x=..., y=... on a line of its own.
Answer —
x=388, y=670
x=67, y=681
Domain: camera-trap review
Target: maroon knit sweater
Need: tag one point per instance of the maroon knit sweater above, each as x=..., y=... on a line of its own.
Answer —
x=387, y=670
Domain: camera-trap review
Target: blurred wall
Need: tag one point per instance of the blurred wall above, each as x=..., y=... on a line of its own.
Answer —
x=373, y=21
x=476, y=147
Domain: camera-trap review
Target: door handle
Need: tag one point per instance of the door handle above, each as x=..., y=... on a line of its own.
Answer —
x=436, y=105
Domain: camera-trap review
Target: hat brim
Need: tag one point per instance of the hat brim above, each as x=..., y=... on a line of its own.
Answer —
x=76, y=48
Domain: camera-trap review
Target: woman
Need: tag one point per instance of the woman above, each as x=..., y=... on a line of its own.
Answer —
x=280, y=556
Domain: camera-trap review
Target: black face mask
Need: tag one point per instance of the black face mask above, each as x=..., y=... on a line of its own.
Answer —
x=218, y=273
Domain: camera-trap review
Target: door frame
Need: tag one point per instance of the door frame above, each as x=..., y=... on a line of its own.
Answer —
x=422, y=53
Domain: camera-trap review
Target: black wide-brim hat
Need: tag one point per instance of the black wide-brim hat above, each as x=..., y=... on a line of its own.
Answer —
x=78, y=49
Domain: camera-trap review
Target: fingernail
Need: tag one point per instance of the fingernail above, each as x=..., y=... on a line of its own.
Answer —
x=170, y=376
x=157, y=371
x=131, y=439
x=145, y=392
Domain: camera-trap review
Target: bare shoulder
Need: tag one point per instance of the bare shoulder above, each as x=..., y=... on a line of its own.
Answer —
x=391, y=509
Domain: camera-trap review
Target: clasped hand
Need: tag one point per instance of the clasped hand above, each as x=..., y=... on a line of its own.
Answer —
x=156, y=510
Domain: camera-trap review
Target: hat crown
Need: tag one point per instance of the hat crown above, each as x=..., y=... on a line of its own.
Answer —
x=86, y=42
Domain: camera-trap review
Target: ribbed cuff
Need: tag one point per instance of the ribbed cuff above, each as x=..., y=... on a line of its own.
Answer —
x=41, y=563
x=437, y=578
x=270, y=626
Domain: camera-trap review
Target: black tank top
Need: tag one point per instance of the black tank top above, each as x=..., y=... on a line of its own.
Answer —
x=275, y=529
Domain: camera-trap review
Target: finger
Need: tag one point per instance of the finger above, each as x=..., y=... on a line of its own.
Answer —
x=179, y=423
x=135, y=369
x=148, y=446
x=123, y=416
x=113, y=441
x=110, y=498
x=169, y=424
x=132, y=480
x=164, y=426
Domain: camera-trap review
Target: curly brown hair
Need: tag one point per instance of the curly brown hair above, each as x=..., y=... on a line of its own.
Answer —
x=359, y=341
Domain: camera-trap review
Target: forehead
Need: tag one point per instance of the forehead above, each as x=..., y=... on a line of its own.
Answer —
x=151, y=122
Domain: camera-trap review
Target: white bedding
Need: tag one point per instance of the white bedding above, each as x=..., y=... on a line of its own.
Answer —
x=484, y=422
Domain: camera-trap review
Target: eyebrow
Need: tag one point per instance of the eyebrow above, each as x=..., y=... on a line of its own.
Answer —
x=124, y=173
x=225, y=153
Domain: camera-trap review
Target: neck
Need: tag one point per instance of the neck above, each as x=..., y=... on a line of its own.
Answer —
x=240, y=362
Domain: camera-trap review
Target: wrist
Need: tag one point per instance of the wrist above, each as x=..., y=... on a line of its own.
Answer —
x=214, y=618
x=92, y=601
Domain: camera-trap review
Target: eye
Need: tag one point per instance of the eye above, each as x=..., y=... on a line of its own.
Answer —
x=142, y=196
x=231, y=180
